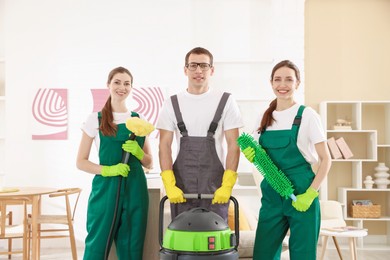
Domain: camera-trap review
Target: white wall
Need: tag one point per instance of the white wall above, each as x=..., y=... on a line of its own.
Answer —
x=74, y=44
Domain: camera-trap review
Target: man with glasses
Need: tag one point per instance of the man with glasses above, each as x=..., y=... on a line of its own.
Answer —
x=201, y=119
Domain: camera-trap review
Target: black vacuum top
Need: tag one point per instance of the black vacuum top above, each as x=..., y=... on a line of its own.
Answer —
x=198, y=219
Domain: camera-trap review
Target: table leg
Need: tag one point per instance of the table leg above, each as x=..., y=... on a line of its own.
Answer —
x=337, y=247
x=355, y=247
x=352, y=247
x=324, y=245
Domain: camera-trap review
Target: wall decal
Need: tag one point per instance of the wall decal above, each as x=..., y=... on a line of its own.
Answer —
x=50, y=113
x=99, y=96
x=147, y=101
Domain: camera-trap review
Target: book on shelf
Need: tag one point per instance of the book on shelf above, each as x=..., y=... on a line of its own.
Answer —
x=344, y=148
x=334, y=149
x=344, y=229
x=362, y=202
x=342, y=127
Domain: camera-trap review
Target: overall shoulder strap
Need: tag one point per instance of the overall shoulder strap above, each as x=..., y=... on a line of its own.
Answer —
x=134, y=114
x=297, y=121
x=99, y=117
x=218, y=114
x=179, y=118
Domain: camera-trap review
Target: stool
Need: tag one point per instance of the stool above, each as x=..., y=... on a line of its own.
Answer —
x=351, y=235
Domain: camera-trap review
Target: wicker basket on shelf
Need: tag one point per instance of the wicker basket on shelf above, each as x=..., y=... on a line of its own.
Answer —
x=366, y=211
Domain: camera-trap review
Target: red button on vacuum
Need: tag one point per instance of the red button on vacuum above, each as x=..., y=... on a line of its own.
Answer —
x=211, y=244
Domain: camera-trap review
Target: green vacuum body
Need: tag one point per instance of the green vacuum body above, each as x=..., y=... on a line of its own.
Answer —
x=198, y=230
x=198, y=234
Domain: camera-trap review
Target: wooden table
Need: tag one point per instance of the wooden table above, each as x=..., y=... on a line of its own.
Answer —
x=34, y=194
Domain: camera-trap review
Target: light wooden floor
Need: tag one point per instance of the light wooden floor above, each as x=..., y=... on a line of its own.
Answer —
x=52, y=254
x=331, y=254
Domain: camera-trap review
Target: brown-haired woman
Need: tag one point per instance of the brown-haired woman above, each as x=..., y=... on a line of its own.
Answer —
x=293, y=137
x=118, y=203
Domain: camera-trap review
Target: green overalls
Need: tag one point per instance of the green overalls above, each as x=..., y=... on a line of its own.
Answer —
x=277, y=215
x=127, y=220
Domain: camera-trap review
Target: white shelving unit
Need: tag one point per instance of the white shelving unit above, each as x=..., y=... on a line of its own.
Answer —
x=369, y=141
x=2, y=88
x=2, y=115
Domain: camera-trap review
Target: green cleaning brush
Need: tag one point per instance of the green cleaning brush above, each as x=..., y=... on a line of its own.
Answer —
x=264, y=164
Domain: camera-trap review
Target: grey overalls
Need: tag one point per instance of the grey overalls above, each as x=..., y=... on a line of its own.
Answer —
x=277, y=214
x=130, y=214
x=197, y=167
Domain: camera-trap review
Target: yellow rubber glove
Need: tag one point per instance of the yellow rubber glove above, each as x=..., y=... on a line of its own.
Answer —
x=222, y=194
x=133, y=147
x=175, y=195
x=304, y=200
x=249, y=153
x=115, y=170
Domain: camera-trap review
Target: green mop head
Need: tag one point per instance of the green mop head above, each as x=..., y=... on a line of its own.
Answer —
x=263, y=163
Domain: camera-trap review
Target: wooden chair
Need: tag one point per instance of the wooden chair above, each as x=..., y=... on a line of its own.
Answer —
x=10, y=231
x=52, y=226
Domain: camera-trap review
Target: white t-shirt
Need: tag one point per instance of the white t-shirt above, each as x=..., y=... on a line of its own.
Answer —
x=310, y=132
x=91, y=124
x=198, y=112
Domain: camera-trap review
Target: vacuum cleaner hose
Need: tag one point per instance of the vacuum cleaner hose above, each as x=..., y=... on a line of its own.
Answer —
x=125, y=159
x=107, y=250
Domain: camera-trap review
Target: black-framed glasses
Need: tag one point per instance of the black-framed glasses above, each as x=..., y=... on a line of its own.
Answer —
x=193, y=66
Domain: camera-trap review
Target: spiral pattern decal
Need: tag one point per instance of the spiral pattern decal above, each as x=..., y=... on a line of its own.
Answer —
x=50, y=114
x=149, y=102
x=146, y=101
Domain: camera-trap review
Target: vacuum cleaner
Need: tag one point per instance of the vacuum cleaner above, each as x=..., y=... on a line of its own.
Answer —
x=199, y=234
